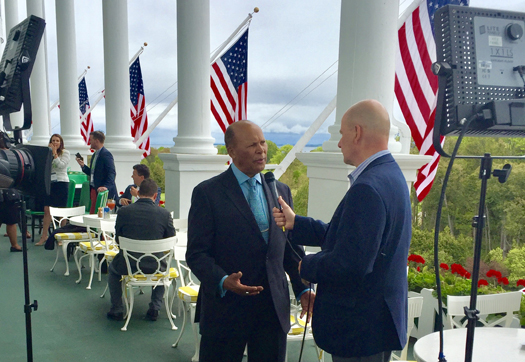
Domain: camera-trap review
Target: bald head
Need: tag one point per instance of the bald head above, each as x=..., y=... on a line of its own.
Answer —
x=372, y=116
x=365, y=129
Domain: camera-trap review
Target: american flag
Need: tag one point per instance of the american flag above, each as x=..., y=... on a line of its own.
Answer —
x=139, y=117
x=416, y=86
x=86, y=126
x=229, y=84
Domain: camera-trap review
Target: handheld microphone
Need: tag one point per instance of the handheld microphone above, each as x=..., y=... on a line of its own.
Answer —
x=270, y=180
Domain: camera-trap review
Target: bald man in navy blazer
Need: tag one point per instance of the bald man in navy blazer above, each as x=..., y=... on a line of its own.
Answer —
x=360, y=312
x=241, y=259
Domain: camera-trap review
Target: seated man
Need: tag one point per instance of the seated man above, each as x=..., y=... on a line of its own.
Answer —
x=140, y=173
x=144, y=221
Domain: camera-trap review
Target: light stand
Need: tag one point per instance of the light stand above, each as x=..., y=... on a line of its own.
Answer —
x=27, y=307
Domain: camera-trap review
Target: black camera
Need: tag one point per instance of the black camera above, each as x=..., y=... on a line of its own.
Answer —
x=25, y=167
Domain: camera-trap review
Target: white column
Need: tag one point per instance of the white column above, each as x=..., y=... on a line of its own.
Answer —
x=116, y=81
x=38, y=81
x=193, y=59
x=11, y=19
x=193, y=158
x=67, y=80
x=367, y=45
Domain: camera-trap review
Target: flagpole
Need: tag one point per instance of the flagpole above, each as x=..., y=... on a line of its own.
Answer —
x=141, y=50
x=157, y=121
x=84, y=116
x=53, y=106
x=150, y=129
x=288, y=159
x=234, y=34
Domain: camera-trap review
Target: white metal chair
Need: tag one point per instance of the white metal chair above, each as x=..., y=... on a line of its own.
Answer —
x=490, y=304
x=187, y=294
x=107, y=229
x=415, y=305
x=92, y=248
x=137, y=277
x=58, y=217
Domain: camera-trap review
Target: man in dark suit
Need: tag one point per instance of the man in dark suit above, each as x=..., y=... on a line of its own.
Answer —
x=240, y=257
x=360, y=312
x=141, y=220
x=101, y=170
x=140, y=173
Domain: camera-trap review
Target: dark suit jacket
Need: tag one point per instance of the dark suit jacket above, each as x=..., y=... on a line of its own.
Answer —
x=127, y=194
x=223, y=238
x=361, y=303
x=104, y=172
x=142, y=220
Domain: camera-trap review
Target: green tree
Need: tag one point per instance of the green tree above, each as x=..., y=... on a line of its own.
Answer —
x=156, y=166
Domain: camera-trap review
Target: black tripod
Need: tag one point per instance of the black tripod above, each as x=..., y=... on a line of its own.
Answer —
x=28, y=308
x=479, y=223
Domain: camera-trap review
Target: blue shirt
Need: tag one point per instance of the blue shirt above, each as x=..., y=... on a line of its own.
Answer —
x=359, y=169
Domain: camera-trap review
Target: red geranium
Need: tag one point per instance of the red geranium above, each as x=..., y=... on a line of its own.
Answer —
x=482, y=282
x=416, y=259
x=161, y=202
x=493, y=273
x=458, y=269
x=503, y=281
x=467, y=275
x=520, y=282
x=443, y=266
x=418, y=269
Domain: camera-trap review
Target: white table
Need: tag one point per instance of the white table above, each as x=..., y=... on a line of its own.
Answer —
x=490, y=344
x=79, y=220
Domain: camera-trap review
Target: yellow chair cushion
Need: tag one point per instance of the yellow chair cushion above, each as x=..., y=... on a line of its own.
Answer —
x=86, y=246
x=174, y=273
x=189, y=294
x=295, y=330
x=73, y=236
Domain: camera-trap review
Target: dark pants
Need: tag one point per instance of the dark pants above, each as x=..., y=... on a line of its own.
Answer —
x=261, y=331
x=93, y=196
x=380, y=357
x=115, y=291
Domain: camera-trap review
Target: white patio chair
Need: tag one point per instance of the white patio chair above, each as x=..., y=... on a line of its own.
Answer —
x=490, y=304
x=149, y=249
x=415, y=305
x=58, y=217
x=187, y=294
x=91, y=248
x=107, y=228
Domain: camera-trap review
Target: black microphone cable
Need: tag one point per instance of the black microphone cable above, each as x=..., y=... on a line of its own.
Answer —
x=270, y=180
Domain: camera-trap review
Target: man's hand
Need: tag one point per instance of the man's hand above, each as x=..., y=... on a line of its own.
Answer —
x=233, y=284
x=307, y=302
x=102, y=188
x=80, y=162
x=134, y=191
x=284, y=217
x=124, y=202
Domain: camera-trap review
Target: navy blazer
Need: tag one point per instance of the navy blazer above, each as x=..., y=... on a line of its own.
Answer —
x=361, y=303
x=104, y=172
x=223, y=238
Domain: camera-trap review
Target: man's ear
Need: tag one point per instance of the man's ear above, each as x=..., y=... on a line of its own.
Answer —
x=358, y=133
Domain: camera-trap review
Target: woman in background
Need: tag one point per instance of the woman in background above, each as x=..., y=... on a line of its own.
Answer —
x=59, y=182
